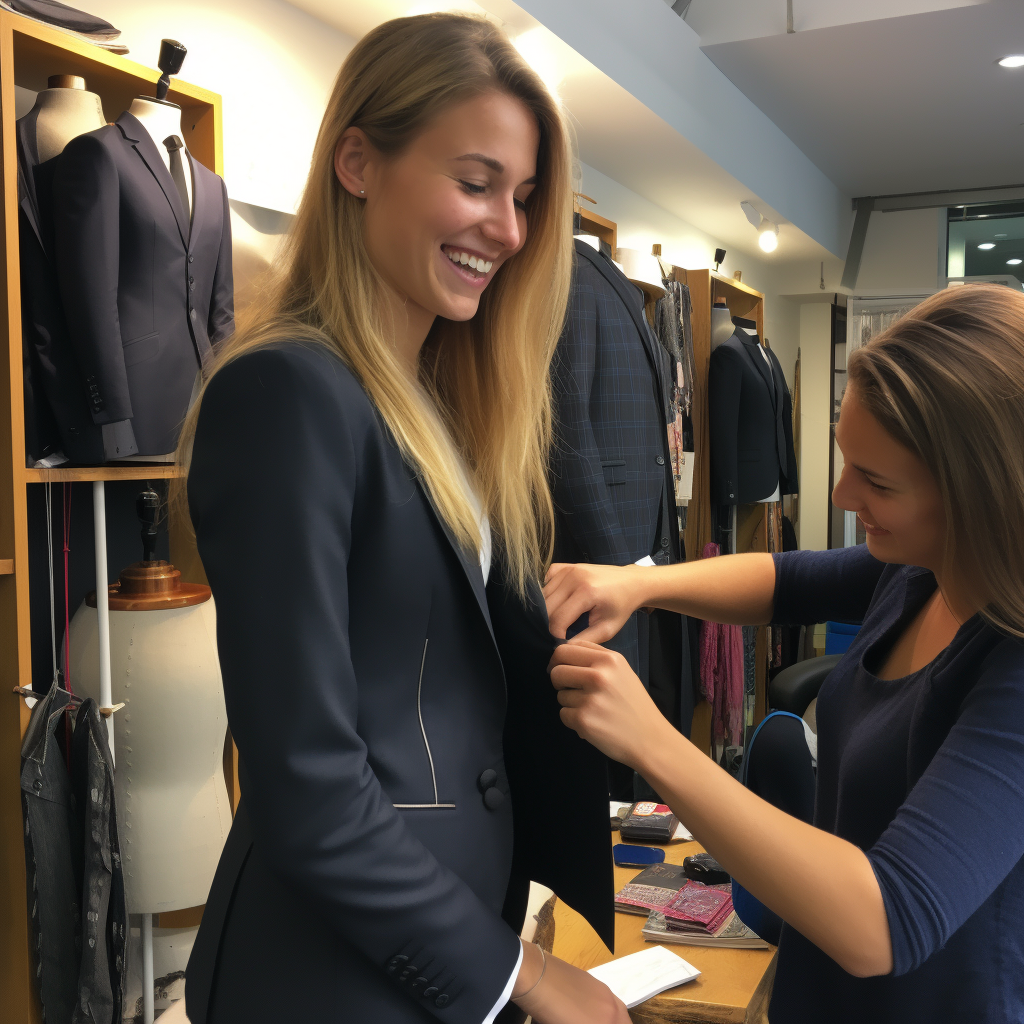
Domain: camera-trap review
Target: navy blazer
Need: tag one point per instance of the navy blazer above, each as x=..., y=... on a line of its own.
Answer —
x=610, y=465
x=404, y=771
x=146, y=293
x=750, y=415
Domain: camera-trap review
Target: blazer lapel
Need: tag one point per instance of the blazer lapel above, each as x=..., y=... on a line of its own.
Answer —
x=751, y=347
x=471, y=568
x=136, y=134
x=626, y=292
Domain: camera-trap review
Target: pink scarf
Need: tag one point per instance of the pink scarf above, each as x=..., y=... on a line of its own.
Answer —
x=721, y=673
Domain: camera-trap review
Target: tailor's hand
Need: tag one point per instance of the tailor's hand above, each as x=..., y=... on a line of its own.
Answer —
x=608, y=593
x=567, y=995
x=603, y=700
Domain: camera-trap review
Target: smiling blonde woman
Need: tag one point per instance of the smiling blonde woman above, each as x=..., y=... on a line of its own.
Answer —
x=385, y=413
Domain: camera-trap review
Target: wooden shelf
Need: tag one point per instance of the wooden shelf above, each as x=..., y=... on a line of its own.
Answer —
x=29, y=54
x=79, y=474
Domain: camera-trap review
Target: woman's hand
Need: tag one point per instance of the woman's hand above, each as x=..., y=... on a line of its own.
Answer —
x=603, y=700
x=567, y=995
x=609, y=594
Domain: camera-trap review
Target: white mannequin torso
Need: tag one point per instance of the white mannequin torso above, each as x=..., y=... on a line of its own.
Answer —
x=161, y=121
x=64, y=114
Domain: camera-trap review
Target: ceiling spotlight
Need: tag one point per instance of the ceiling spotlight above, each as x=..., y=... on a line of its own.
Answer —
x=1014, y=263
x=769, y=238
x=751, y=214
x=987, y=245
x=1014, y=60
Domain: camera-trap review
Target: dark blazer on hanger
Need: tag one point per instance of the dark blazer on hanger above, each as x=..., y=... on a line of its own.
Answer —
x=750, y=416
x=146, y=293
x=404, y=771
x=610, y=465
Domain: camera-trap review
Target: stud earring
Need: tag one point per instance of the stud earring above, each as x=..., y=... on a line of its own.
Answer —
x=362, y=192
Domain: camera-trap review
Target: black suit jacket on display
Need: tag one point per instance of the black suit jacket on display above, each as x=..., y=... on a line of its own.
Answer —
x=403, y=766
x=751, y=423
x=146, y=293
x=610, y=466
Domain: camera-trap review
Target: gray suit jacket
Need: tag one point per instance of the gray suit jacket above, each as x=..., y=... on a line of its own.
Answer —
x=146, y=293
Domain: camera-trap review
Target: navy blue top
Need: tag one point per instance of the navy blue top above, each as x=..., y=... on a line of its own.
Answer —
x=926, y=775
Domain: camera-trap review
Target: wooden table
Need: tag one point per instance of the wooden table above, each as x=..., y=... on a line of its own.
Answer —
x=734, y=985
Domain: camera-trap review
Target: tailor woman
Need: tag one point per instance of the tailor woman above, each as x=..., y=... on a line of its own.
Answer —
x=366, y=478
x=904, y=901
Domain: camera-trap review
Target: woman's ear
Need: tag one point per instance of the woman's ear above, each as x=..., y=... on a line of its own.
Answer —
x=351, y=155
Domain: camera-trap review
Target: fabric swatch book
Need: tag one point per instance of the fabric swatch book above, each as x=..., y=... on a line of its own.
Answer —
x=649, y=822
x=651, y=889
x=640, y=976
x=698, y=908
x=733, y=934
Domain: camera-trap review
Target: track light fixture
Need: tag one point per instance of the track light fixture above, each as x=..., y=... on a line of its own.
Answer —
x=768, y=233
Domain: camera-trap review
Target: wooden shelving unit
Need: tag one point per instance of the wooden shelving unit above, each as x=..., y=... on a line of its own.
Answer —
x=29, y=54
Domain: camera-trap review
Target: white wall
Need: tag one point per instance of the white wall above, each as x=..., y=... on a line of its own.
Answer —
x=274, y=66
x=640, y=223
x=901, y=254
x=815, y=417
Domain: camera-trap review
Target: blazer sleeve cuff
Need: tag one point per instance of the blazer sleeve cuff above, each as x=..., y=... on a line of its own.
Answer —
x=507, y=993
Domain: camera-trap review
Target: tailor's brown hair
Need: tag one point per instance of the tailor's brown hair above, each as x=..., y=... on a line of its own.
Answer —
x=947, y=382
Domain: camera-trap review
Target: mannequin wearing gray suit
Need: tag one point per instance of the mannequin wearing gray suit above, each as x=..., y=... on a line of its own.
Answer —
x=146, y=290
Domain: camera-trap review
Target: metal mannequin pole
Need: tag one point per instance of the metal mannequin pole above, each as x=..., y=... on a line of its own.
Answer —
x=99, y=515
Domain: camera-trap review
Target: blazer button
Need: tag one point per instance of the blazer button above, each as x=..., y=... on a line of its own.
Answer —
x=660, y=460
x=408, y=973
x=417, y=983
x=429, y=993
x=192, y=313
x=487, y=779
x=395, y=964
x=191, y=258
x=664, y=542
x=493, y=798
x=442, y=1000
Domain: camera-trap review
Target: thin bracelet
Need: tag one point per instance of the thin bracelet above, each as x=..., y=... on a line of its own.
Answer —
x=544, y=959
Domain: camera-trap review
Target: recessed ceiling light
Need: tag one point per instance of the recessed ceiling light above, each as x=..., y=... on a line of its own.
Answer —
x=987, y=245
x=1014, y=60
x=1014, y=263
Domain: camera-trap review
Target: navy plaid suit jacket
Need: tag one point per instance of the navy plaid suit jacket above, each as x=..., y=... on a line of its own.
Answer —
x=611, y=493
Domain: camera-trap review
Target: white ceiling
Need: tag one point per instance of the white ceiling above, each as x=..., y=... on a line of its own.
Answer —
x=616, y=133
x=903, y=104
x=725, y=21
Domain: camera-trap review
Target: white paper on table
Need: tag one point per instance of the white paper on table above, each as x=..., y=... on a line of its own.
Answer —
x=640, y=976
x=646, y=560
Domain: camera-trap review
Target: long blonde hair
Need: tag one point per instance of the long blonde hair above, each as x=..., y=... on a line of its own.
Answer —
x=947, y=382
x=483, y=390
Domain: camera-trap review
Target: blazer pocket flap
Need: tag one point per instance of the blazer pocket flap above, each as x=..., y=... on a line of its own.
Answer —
x=138, y=350
x=614, y=471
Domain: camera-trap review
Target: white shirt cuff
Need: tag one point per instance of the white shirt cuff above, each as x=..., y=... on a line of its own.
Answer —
x=504, y=997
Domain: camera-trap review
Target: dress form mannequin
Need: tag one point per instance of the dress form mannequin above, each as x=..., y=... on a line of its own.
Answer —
x=61, y=112
x=722, y=327
x=64, y=111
